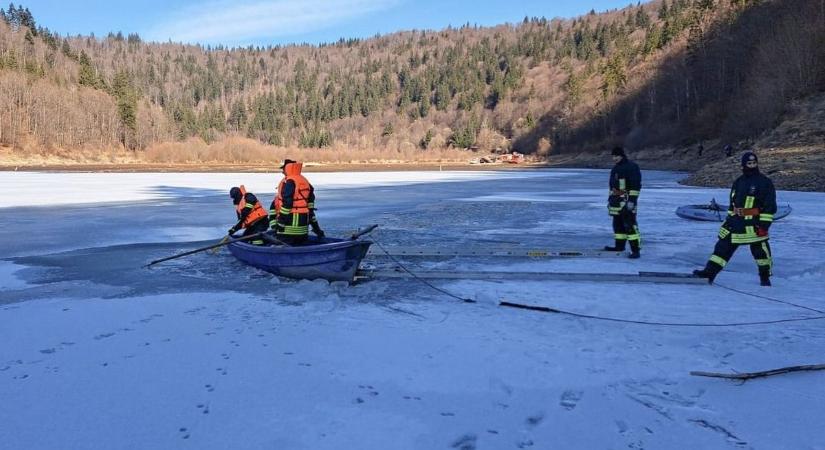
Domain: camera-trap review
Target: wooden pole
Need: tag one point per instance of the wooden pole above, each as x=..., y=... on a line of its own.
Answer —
x=198, y=250
x=767, y=373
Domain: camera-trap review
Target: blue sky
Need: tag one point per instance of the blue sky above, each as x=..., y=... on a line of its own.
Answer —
x=262, y=22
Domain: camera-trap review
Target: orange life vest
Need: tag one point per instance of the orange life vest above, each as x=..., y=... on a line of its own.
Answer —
x=300, y=202
x=257, y=213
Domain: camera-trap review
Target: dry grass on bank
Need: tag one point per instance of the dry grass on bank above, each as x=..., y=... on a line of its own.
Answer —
x=237, y=150
x=232, y=150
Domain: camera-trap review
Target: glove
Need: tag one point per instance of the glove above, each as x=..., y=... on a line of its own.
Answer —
x=232, y=230
x=319, y=232
x=630, y=206
x=761, y=231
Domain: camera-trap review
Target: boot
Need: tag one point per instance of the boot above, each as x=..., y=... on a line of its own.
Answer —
x=634, y=250
x=765, y=279
x=618, y=247
x=705, y=273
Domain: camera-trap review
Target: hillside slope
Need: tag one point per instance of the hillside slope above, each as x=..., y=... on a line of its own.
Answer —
x=792, y=154
x=658, y=77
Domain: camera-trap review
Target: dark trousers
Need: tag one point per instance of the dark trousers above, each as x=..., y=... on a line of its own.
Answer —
x=257, y=227
x=725, y=248
x=291, y=239
x=625, y=228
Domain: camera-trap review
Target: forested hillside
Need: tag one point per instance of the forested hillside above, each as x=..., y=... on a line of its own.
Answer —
x=654, y=74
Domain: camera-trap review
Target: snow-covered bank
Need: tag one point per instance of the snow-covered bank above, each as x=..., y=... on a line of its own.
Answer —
x=204, y=352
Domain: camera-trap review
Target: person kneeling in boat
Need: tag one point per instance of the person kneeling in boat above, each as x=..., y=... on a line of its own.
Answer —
x=292, y=212
x=750, y=215
x=252, y=217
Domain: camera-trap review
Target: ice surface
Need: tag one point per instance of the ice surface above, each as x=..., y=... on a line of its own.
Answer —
x=205, y=352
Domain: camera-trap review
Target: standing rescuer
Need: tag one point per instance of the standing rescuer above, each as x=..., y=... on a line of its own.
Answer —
x=251, y=215
x=292, y=212
x=625, y=185
x=750, y=215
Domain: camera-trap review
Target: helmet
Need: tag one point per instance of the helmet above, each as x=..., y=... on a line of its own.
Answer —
x=749, y=156
x=235, y=193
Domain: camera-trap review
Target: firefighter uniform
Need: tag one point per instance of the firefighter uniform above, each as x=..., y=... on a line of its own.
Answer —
x=625, y=186
x=750, y=215
x=251, y=215
x=292, y=212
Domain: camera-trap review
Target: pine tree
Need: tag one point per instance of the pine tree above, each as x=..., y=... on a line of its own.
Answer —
x=87, y=75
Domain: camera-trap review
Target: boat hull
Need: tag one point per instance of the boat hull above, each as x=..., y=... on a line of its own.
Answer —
x=718, y=214
x=329, y=259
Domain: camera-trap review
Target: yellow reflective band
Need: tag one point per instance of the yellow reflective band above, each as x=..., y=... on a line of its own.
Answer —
x=633, y=237
x=766, y=217
x=747, y=238
x=622, y=183
x=633, y=193
x=285, y=210
x=723, y=232
x=621, y=237
x=763, y=262
x=718, y=260
x=295, y=231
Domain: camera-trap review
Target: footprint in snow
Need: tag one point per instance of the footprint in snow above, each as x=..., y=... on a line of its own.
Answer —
x=535, y=420
x=466, y=442
x=569, y=399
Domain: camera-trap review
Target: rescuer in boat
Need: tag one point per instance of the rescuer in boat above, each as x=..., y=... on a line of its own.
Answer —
x=292, y=212
x=750, y=215
x=625, y=185
x=251, y=215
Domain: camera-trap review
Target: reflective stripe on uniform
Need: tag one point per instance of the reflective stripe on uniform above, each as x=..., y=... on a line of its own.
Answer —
x=295, y=231
x=620, y=236
x=765, y=217
x=718, y=260
x=636, y=235
x=767, y=261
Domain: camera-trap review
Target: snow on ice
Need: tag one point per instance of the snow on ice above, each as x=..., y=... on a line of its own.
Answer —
x=204, y=352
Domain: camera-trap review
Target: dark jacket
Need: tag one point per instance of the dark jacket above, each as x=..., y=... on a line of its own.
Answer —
x=625, y=185
x=750, y=192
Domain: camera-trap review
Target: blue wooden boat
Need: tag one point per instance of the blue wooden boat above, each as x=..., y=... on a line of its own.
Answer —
x=330, y=259
x=714, y=212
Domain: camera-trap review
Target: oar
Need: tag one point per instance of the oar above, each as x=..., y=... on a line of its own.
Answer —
x=361, y=233
x=223, y=241
x=197, y=250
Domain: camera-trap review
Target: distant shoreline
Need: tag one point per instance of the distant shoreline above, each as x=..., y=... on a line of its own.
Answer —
x=218, y=168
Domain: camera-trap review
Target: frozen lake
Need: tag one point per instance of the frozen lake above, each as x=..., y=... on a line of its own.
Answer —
x=204, y=352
